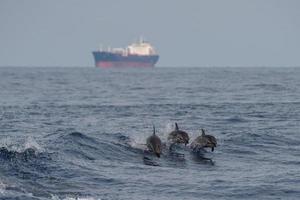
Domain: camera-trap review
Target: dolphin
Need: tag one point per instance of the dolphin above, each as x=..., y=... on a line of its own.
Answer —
x=204, y=141
x=178, y=136
x=154, y=143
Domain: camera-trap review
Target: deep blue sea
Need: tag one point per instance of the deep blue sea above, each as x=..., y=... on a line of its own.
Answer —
x=79, y=133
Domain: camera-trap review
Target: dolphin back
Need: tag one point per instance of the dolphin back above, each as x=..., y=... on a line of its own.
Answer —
x=204, y=141
x=154, y=144
x=178, y=136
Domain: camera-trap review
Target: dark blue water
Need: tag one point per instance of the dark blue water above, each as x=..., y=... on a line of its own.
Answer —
x=78, y=133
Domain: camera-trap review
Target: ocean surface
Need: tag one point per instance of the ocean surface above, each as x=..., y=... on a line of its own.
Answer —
x=79, y=133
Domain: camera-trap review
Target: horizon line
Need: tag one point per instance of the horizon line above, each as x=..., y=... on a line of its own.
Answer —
x=159, y=66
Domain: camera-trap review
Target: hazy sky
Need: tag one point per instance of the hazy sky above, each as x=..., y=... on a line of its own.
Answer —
x=185, y=33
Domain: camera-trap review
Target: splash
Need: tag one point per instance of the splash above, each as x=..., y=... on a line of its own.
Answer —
x=21, y=145
x=169, y=127
x=2, y=187
x=30, y=143
x=54, y=197
x=139, y=141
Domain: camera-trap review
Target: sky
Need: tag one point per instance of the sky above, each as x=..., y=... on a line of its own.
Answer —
x=184, y=33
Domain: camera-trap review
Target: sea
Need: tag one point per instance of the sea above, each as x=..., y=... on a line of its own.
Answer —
x=80, y=133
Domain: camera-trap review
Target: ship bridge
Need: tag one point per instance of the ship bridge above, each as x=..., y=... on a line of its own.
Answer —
x=141, y=48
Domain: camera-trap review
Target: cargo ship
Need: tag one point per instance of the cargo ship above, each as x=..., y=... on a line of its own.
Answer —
x=139, y=54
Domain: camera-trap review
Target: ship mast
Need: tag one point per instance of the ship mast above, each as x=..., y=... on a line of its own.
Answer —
x=141, y=39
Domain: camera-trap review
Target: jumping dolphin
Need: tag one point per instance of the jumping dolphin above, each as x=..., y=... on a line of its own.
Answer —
x=178, y=136
x=154, y=143
x=204, y=141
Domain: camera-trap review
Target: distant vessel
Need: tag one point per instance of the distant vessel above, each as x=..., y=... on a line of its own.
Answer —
x=140, y=54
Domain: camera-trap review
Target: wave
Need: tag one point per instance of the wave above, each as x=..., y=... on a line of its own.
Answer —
x=93, y=147
x=24, y=149
x=26, y=155
x=236, y=119
x=75, y=158
x=268, y=86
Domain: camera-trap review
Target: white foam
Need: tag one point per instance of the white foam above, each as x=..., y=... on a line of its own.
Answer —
x=89, y=121
x=2, y=187
x=11, y=143
x=54, y=197
x=6, y=142
x=21, y=144
x=169, y=127
x=139, y=141
x=31, y=143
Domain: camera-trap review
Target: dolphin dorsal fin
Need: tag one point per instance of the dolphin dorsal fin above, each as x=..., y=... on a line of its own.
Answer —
x=153, y=130
x=176, y=127
x=203, y=132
